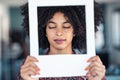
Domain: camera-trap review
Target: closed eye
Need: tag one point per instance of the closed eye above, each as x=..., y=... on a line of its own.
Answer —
x=51, y=27
x=67, y=27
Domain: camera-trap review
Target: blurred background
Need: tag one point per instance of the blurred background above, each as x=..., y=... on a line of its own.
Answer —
x=14, y=43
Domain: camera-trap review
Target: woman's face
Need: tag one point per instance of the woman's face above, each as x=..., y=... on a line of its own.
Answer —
x=59, y=32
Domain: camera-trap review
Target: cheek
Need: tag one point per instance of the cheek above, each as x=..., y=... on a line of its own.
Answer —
x=70, y=35
x=50, y=34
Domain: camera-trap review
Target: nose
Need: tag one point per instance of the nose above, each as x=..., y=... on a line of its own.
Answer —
x=59, y=32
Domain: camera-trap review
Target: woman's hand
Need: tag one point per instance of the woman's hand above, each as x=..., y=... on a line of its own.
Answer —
x=96, y=69
x=29, y=68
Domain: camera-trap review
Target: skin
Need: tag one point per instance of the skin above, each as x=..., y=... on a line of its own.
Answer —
x=60, y=34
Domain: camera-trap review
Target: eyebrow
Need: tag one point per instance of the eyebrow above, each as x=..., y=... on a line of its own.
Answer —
x=55, y=23
x=51, y=22
x=67, y=22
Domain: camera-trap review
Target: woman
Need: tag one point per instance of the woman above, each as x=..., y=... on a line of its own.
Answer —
x=62, y=31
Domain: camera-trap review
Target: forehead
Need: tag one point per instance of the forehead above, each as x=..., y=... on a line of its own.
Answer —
x=59, y=15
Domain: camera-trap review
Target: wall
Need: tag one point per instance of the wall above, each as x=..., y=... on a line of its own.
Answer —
x=114, y=53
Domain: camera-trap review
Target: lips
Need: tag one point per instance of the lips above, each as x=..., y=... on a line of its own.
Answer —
x=59, y=41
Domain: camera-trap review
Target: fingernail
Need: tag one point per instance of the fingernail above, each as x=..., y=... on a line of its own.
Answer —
x=37, y=60
x=88, y=60
x=86, y=69
x=38, y=69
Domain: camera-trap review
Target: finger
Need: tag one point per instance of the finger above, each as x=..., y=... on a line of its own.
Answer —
x=27, y=75
x=96, y=72
x=30, y=69
x=31, y=58
x=94, y=76
x=98, y=69
x=92, y=73
x=92, y=65
x=28, y=64
x=95, y=58
x=35, y=79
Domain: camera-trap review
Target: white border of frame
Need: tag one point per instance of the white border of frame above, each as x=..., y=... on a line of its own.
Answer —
x=46, y=62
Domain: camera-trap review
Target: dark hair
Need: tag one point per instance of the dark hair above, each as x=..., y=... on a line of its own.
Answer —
x=75, y=14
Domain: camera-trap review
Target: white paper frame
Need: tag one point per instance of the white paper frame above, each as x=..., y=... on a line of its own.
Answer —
x=61, y=65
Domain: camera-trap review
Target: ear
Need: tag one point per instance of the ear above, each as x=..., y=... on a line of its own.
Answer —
x=73, y=35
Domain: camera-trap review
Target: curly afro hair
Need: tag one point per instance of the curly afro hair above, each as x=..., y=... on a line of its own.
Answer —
x=76, y=16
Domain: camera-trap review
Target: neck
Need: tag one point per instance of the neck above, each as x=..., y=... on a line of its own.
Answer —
x=60, y=51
